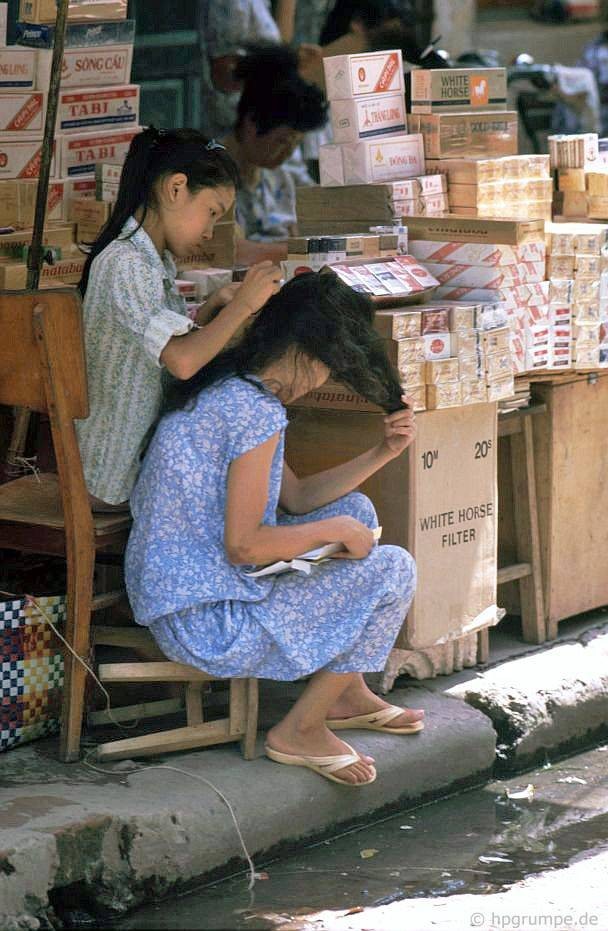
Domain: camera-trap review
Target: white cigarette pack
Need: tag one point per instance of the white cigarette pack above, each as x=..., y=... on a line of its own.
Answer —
x=22, y=112
x=79, y=153
x=207, y=280
x=18, y=69
x=84, y=110
x=372, y=161
x=369, y=73
x=477, y=253
x=368, y=117
x=92, y=66
x=20, y=156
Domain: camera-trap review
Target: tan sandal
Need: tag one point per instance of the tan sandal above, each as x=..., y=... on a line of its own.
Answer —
x=377, y=721
x=323, y=765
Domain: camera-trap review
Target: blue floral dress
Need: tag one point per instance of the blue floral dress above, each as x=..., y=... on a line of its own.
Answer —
x=206, y=612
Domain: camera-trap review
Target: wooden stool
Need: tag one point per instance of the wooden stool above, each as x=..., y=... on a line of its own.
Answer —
x=516, y=427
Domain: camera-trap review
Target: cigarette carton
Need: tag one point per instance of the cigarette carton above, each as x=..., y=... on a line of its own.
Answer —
x=368, y=117
x=370, y=161
x=485, y=254
x=466, y=229
x=13, y=275
x=93, y=66
x=403, y=352
x=18, y=202
x=435, y=319
x=398, y=324
x=597, y=183
x=81, y=111
x=486, y=170
x=371, y=73
x=18, y=68
x=442, y=370
x=499, y=365
x=45, y=11
x=20, y=156
x=445, y=395
x=58, y=235
x=79, y=152
x=437, y=346
x=107, y=180
x=474, y=391
x=497, y=340
x=90, y=216
x=459, y=90
x=373, y=202
x=452, y=135
x=572, y=179
x=22, y=111
x=207, y=280
x=500, y=390
x=471, y=368
x=77, y=35
x=480, y=276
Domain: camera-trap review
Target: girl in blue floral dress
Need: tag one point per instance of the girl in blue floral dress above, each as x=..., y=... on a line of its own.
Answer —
x=215, y=498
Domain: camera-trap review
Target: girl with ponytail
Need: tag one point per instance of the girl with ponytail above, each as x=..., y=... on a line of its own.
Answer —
x=174, y=187
x=206, y=509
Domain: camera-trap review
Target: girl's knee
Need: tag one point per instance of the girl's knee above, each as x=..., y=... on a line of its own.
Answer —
x=401, y=569
x=359, y=506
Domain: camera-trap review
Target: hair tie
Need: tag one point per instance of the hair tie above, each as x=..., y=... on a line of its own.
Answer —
x=214, y=144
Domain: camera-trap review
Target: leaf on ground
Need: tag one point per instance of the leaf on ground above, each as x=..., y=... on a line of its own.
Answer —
x=355, y=910
x=494, y=860
x=368, y=852
x=528, y=792
x=570, y=779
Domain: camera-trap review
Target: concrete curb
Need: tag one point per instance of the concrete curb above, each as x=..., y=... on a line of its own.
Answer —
x=549, y=702
x=119, y=842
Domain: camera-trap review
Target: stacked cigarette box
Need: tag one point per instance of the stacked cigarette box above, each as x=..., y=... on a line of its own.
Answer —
x=459, y=90
x=581, y=193
x=311, y=253
x=514, y=186
x=576, y=268
x=367, y=110
x=354, y=208
x=488, y=262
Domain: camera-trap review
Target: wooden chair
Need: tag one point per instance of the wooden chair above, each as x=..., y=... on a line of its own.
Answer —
x=42, y=367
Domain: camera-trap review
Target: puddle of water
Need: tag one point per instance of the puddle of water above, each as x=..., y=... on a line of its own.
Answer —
x=479, y=842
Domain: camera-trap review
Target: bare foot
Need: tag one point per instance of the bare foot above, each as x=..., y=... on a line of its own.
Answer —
x=359, y=699
x=319, y=742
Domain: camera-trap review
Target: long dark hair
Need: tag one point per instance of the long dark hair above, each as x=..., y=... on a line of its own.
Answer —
x=321, y=318
x=273, y=92
x=371, y=13
x=152, y=155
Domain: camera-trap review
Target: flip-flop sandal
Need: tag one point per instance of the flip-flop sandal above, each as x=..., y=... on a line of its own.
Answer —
x=376, y=721
x=323, y=765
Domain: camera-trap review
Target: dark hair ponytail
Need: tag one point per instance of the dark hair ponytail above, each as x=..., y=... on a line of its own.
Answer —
x=318, y=316
x=152, y=155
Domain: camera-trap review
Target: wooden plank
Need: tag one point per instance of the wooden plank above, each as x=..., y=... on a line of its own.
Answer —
x=108, y=600
x=513, y=573
x=483, y=645
x=251, y=722
x=151, y=672
x=194, y=703
x=182, y=738
x=149, y=709
x=238, y=706
x=527, y=534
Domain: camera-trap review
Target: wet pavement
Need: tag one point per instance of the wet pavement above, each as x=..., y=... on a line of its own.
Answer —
x=479, y=842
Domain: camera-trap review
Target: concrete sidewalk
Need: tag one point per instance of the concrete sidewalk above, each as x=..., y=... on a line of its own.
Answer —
x=116, y=840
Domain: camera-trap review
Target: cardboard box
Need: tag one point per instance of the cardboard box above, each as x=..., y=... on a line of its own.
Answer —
x=90, y=216
x=500, y=194
x=459, y=90
x=444, y=395
x=480, y=276
x=60, y=235
x=219, y=251
x=442, y=370
x=572, y=179
x=68, y=270
x=597, y=183
x=80, y=152
x=369, y=73
x=93, y=66
x=45, y=11
x=474, y=391
x=18, y=202
x=22, y=112
x=364, y=203
x=574, y=150
x=20, y=156
x=398, y=324
x=466, y=229
x=207, y=280
x=368, y=117
x=370, y=161
x=99, y=108
x=77, y=35
x=568, y=238
x=487, y=170
x=452, y=135
x=18, y=69
x=3, y=21
x=484, y=254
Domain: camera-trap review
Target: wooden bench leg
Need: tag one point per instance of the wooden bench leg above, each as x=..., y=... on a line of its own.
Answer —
x=251, y=720
x=483, y=645
x=527, y=533
x=78, y=624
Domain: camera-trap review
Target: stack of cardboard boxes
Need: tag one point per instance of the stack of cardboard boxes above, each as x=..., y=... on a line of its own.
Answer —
x=581, y=179
x=98, y=116
x=578, y=291
x=514, y=186
x=367, y=109
x=489, y=262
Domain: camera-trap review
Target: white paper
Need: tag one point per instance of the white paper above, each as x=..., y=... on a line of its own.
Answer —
x=305, y=562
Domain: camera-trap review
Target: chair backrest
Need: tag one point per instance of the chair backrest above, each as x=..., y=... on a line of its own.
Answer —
x=42, y=367
x=21, y=366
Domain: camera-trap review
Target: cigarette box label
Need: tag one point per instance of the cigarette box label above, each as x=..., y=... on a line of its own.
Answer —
x=20, y=157
x=372, y=73
x=455, y=90
x=367, y=117
x=105, y=66
x=22, y=112
x=104, y=106
x=80, y=153
x=17, y=69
